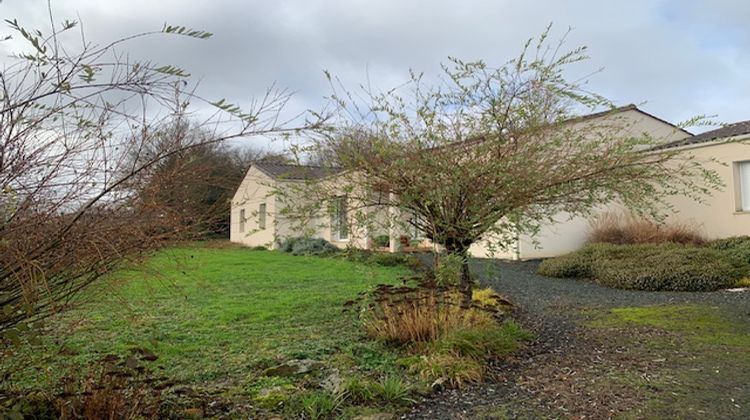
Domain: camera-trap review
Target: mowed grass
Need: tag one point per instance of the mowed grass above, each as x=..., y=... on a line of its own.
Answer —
x=210, y=315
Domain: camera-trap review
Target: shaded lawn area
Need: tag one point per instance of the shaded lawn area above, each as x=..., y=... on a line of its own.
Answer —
x=216, y=315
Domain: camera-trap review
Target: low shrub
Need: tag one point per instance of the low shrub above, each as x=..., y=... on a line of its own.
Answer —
x=736, y=249
x=450, y=369
x=382, y=241
x=613, y=228
x=576, y=264
x=652, y=267
x=391, y=390
x=482, y=342
x=307, y=246
x=734, y=242
x=385, y=259
x=389, y=259
x=448, y=270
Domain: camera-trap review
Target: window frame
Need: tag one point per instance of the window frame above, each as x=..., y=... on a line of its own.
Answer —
x=742, y=186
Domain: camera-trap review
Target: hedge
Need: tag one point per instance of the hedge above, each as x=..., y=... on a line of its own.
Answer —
x=654, y=267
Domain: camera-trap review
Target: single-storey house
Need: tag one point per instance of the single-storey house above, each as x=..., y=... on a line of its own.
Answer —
x=257, y=214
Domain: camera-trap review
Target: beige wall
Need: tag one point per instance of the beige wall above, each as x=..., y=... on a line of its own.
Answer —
x=567, y=234
x=716, y=217
x=633, y=123
x=719, y=217
x=256, y=188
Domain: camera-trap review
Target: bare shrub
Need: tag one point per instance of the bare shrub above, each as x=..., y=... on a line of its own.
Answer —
x=89, y=178
x=622, y=229
x=111, y=388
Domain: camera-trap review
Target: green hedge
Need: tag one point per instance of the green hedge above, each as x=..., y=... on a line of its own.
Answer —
x=654, y=266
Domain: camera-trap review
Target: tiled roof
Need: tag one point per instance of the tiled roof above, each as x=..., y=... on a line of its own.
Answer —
x=295, y=172
x=731, y=130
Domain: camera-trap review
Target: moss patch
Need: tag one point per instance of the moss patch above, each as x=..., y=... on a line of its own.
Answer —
x=698, y=323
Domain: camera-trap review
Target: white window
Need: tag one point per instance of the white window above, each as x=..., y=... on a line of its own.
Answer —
x=743, y=193
x=262, y=216
x=339, y=223
x=242, y=220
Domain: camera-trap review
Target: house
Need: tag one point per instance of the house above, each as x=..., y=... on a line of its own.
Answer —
x=258, y=218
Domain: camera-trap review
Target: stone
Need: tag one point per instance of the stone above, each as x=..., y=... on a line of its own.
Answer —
x=375, y=416
x=333, y=383
x=294, y=367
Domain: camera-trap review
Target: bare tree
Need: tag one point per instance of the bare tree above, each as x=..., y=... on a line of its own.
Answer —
x=197, y=184
x=491, y=153
x=79, y=125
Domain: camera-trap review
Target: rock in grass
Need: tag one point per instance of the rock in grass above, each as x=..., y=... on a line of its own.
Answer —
x=376, y=416
x=294, y=367
x=333, y=383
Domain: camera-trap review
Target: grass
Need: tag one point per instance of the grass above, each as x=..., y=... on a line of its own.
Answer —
x=225, y=322
x=702, y=352
x=211, y=315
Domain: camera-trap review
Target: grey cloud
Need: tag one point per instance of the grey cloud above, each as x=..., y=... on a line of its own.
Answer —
x=679, y=57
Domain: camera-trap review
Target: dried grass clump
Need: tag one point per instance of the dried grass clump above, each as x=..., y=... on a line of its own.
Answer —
x=628, y=229
x=450, y=369
x=403, y=315
x=408, y=315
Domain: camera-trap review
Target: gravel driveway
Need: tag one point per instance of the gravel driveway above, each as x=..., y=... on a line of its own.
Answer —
x=552, y=308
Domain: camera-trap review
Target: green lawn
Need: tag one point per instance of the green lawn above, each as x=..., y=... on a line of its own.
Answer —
x=214, y=315
x=698, y=356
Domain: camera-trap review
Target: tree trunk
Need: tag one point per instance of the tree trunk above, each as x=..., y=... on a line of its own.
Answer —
x=464, y=286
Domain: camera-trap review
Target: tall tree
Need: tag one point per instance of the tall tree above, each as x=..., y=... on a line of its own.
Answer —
x=492, y=153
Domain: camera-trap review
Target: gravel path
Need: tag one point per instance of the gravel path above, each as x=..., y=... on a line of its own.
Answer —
x=551, y=308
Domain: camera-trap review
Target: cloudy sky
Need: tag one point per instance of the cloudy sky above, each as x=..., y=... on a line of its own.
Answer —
x=675, y=58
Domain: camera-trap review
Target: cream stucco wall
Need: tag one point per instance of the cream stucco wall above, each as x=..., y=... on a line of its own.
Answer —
x=720, y=216
x=717, y=217
x=256, y=188
x=360, y=234
x=567, y=234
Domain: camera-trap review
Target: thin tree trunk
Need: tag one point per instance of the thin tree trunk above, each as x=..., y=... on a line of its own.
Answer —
x=465, y=286
x=464, y=283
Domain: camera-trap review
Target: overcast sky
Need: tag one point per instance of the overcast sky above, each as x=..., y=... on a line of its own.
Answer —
x=675, y=58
